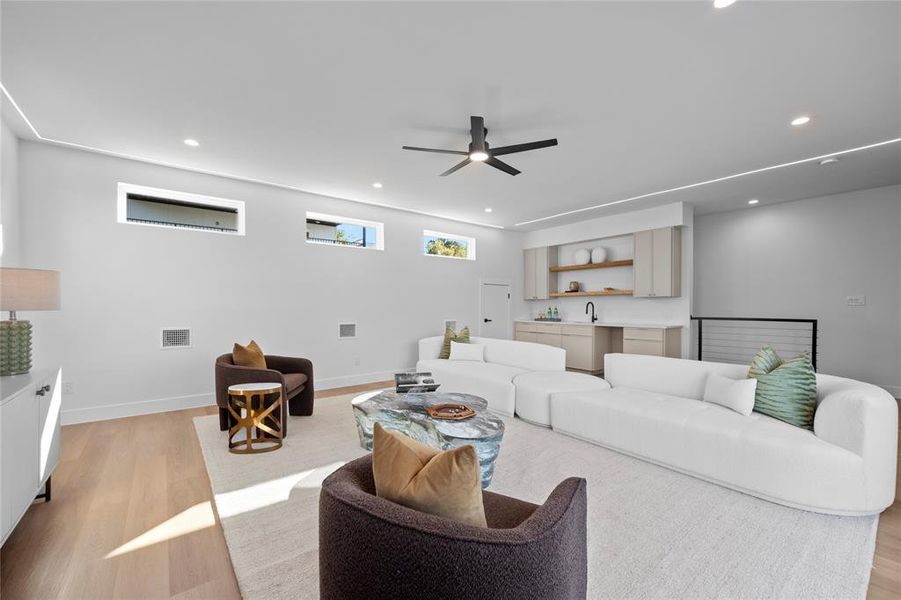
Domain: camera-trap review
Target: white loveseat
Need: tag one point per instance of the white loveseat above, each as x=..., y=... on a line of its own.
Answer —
x=492, y=379
x=654, y=410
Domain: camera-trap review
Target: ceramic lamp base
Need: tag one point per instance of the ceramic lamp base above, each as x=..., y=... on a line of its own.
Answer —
x=15, y=347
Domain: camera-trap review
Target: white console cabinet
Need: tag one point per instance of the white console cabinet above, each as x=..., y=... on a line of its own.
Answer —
x=29, y=441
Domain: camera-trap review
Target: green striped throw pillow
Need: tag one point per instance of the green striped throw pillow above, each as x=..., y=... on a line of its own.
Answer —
x=450, y=336
x=786, y=390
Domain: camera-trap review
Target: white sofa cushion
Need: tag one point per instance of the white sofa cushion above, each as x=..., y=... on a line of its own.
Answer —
x=734, y=394
x=523, y=355
x=673, y=376
x=758, y=454
x=472, y=352
x=490, y=381
x=534, y=389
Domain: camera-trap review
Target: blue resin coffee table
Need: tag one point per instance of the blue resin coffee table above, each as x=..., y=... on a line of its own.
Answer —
x=407, y=413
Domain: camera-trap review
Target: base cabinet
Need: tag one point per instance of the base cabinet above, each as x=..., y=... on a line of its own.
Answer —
x=585, y=345
x=653, y=341
x=29, y=441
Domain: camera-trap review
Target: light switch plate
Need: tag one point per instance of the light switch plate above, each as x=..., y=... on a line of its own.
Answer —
x=857, y=300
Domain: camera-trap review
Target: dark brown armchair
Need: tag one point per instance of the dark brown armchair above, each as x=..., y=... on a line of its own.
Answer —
x=295, y=375
x=373, y=549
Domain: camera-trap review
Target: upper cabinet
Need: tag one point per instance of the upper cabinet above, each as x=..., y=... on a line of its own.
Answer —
x=658, y=263
x=537, y=278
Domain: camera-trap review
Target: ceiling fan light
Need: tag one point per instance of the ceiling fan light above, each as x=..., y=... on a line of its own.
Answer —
x=478, y=156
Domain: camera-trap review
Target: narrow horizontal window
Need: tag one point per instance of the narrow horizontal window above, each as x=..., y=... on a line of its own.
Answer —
x=140, y=205
x=330, y=230
x=448, y=245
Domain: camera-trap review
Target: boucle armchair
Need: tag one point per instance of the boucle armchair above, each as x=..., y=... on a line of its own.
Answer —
x=373, y=549
x=295, y=375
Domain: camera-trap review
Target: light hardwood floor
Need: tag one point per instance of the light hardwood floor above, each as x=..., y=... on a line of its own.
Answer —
x=118, y=480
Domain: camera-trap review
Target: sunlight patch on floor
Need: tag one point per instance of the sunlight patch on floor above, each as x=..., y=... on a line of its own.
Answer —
x=274, y=491
x=200, y=516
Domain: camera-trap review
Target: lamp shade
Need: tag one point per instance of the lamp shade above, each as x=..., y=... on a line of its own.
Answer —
x=29, y=289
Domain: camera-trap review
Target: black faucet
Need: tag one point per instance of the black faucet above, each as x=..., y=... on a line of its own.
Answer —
x=593, y=316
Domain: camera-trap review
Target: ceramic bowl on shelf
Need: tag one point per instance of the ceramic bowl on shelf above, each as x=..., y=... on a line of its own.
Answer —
x=598, y=255
x=582, y=257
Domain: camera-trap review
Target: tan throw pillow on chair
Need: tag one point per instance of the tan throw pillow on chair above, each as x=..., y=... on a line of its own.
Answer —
x=443, y=483
x=248, y=356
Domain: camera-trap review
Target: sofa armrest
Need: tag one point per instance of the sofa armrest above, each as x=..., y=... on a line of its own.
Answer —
x=430, y=347
x=863, y=419
x=290, y=364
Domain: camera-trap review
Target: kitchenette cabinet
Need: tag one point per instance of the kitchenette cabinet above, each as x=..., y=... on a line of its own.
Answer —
x=586, y=343
x=538, y=282
x=657, y=266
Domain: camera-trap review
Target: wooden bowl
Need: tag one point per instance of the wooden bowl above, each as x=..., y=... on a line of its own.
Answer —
x=450, y=412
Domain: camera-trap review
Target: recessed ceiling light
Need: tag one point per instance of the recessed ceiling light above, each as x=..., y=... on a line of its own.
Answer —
x=478, y=156
x=831, y=160
x=802, y=120
x=723, y=3
x=753, y=201
x=488, y=210
x=191, y=142
x=377, y=185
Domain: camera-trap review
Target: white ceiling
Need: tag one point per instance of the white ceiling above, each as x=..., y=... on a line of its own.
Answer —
x=321, y=96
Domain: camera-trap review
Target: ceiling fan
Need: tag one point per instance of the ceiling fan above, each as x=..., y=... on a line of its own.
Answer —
x=479, y=150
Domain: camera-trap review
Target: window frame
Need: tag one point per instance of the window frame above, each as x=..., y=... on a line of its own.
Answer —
x=470, y=241
x=124, y=189
x=379, y=230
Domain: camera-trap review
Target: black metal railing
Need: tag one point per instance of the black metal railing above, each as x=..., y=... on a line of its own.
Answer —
x=182, y=225
x=318, y=240
x=738, y=339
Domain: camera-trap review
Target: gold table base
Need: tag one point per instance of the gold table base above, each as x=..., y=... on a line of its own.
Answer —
x=255, y=415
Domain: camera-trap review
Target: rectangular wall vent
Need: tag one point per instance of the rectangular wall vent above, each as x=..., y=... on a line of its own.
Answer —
x=175, y=337
x=347, y=331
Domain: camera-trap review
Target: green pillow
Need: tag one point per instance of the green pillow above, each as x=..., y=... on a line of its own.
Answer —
x=786, y=390
x=450, y=336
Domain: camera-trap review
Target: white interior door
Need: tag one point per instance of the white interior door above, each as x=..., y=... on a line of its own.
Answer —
x=494, y=310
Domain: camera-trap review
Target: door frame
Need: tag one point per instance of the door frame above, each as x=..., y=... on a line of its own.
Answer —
x=483, y=281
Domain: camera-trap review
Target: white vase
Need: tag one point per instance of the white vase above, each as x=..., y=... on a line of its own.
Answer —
x=583, y=257
x=598, y=255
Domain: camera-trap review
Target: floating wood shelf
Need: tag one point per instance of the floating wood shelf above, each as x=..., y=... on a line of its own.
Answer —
x=595, y=293
x=604, y=265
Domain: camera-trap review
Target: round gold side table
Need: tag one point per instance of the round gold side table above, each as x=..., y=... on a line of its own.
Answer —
x=253, y=408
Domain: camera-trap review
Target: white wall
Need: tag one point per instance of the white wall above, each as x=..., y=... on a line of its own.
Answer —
x=9, y=195
x=801, y=260
x=614, y=232
x=121, y=283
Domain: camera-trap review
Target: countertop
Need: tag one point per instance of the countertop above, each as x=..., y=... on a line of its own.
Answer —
x=604, y=324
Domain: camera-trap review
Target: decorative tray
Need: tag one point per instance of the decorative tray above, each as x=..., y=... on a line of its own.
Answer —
x=450, y=412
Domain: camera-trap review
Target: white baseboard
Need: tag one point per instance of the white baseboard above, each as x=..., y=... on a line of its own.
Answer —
x=329, y=383
x=133, y=409
x=147, y=407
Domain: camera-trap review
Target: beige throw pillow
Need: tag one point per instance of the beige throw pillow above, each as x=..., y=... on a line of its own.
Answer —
x=442, y=483
x=248, y=356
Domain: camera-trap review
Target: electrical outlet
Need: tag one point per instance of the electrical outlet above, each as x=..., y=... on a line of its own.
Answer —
x=857, y=300
x=68, y=388
x=356, y=361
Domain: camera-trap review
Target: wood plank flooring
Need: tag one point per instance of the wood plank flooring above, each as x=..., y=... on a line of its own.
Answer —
x=132, y=517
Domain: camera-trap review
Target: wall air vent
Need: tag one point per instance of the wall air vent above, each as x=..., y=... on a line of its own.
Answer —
x=347, y=331
x=175, y=337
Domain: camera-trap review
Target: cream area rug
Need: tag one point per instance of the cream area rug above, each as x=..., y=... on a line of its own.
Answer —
x=652, y=532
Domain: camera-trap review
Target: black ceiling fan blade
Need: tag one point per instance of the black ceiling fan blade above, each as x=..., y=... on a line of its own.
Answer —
x=523, y=147
x=438, y=150
x=457, y=167
x=497, y=164
x=478, y=133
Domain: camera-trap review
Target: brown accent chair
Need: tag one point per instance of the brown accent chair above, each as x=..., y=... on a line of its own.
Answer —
x=295, y=375
x=373, y=549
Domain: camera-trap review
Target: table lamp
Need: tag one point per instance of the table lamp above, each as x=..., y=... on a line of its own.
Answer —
x=23, y=289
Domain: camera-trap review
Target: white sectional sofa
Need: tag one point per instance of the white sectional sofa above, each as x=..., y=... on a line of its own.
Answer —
x=492, y=379
x=654, y=410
